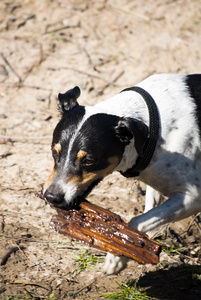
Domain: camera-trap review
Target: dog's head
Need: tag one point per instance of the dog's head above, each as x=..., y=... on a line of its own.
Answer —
x=86, y=147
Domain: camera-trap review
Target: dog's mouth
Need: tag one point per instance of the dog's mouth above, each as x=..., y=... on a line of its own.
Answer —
x=74, y=203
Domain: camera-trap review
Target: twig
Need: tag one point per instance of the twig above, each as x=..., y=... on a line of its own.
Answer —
x=31, y=283
x=24, y=138
x=9, y=65
x=91, y=75
x=21, y=250
x=32, y=87
x=25, y=20
x=88, y=56
x=192, y=221
x=35, y=64
x=8, y=254
x=25, y=239
x=2, y=289
x=73, y=295
x=102, y=62
x=111, y=83
x=198, y=227
x=6, y=154
x=20, y=85
x=132, y=12
x=116, y=78
x=61, y=28
x=81, y=72
x=2, y=223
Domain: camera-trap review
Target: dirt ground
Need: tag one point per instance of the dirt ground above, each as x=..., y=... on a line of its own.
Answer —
x=102, y=46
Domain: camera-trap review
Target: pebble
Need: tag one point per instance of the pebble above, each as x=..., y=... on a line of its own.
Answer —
x=3, y=116
x=10, y=164
x=42, y=98
x=194, y=251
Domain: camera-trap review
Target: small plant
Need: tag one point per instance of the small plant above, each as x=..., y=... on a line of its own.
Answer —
x=87, y=260
x=169, y=249
x=172, y=250
x=51, y=296
x=128, y=291
x=18, y=297
x=196, y=275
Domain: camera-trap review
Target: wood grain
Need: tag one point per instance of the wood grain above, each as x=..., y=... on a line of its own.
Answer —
x=104, y=230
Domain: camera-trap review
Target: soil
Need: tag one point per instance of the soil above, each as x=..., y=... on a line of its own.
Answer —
x=102, y=46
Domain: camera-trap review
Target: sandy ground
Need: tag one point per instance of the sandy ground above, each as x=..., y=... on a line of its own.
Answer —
x=47, y=47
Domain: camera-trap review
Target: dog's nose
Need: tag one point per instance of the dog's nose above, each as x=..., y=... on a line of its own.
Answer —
x=54, y=198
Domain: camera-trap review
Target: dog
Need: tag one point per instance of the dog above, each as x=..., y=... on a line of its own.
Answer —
x=90, y=142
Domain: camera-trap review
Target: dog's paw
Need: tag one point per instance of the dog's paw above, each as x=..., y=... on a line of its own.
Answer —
x=114, y=264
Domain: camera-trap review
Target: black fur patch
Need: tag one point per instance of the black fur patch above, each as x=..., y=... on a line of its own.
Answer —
x=98, y=138
x=194, y=86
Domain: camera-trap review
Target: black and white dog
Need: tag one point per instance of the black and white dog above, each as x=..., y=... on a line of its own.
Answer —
x=93, y=141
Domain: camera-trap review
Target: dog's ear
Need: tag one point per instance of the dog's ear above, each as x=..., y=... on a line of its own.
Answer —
x=68, y=100
x=128, y=128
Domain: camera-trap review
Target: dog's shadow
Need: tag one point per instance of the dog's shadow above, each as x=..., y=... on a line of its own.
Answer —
x=175, y=283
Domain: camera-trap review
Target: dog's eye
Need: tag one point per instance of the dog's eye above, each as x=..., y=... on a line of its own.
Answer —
x=87, y=162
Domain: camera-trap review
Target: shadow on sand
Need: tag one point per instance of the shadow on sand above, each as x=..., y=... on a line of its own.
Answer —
x=175, y=283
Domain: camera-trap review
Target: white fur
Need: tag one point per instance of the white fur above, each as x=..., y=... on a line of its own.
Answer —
x=70, y=190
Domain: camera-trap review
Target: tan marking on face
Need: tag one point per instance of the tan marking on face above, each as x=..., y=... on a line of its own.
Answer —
x=49, y=180
x=113, y=162
x=81, y=154
x=57, y=148
x=73, y=179
x=88, y=177
x=81, y=180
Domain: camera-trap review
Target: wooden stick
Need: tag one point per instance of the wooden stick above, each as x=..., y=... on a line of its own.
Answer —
x=104, y=230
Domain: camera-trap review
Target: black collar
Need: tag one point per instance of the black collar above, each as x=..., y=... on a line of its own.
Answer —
x=149, y=148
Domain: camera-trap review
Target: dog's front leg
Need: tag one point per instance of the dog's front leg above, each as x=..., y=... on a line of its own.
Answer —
x=153, y=198
x=179, y=206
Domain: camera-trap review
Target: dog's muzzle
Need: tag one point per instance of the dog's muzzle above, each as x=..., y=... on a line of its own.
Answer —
x=68, y=199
